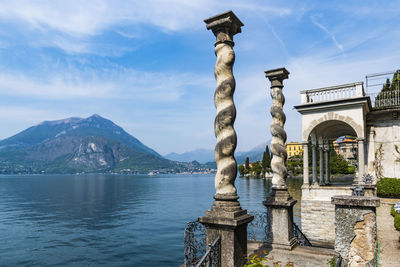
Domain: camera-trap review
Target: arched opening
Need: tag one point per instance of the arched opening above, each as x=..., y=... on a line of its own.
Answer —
x=335, y=148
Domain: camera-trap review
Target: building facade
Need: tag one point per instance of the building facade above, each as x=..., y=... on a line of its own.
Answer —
x=294, y=149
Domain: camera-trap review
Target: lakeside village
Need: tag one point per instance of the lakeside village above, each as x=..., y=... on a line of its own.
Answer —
x=342, y=159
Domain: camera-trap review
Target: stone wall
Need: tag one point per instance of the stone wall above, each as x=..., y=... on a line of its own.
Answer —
x=383, y=143
x=356, y=238
x=318, y=213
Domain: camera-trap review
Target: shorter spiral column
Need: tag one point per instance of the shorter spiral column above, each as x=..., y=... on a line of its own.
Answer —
x=279, y=203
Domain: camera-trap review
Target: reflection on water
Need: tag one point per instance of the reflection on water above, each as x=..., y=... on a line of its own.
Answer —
x=109, y=220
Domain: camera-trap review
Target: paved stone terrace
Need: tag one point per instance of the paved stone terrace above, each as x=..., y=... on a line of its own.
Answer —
x=300, y=256
x=388, y=237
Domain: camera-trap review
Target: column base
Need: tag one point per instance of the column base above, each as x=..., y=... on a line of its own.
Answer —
x=280, y=220
x=229, y=221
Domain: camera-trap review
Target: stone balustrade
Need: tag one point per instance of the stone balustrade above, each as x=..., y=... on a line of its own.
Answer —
x=351, y=90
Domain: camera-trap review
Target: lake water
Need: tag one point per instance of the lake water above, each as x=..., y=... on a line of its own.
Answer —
x=109, y=220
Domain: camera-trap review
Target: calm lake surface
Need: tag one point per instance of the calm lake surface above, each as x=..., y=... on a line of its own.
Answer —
x=109, y=220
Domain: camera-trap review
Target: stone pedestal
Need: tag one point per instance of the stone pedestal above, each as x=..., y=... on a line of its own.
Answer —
x=280, y=219
x=229, y=221
x=356, y=233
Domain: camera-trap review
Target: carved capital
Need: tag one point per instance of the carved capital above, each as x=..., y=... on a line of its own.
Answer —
x=276, y=76
x=224, y=26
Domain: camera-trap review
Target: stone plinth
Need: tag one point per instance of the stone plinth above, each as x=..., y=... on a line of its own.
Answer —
x=356, y=234
x=318, y=213
x=227, y=220
x=280, y=220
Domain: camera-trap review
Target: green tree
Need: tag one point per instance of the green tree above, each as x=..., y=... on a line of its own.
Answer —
x=256, y=169
x=339, y=165
x=247, y=164
x=266, y=160
x=241, y=170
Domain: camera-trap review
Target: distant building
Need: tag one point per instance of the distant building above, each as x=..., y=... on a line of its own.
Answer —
x=294, y=149
x=347, y=148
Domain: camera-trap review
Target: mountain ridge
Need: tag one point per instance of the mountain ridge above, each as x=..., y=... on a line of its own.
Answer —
x=75, y=145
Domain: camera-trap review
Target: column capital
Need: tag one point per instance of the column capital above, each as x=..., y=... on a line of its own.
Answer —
x=279, y=74
x=304, y=143
x=224, y=26
x=362, y=139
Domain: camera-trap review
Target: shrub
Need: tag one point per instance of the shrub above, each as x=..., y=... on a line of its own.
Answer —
x=388, y=187
x=396, y=218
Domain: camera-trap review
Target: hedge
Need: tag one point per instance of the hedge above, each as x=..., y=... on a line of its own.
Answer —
x=396, y=218
x=388, y=187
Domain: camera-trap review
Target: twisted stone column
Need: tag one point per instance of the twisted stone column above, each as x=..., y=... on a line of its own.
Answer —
x=226, y=218
x=278, y=133
x=279, y=204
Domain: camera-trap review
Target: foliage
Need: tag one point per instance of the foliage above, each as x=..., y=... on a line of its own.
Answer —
x=332, y=262
x=247, y=164
x=257, y=261
x=388, y=187
x=396, y=218
x=266, y=160
x=378, y=167
x=241, y=170
x=256, y=169
x=390, y=89
x=295, y=165
x=339, y=165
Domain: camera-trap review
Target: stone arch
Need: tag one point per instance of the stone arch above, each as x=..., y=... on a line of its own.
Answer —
x=331, y=118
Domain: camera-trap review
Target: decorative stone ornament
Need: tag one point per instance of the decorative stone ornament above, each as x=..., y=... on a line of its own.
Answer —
x=226, y=218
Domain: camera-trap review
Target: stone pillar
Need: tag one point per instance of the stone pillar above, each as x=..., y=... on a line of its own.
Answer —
x=305, y=164
x=361, y=160
x=226, y=218
x=314, y=164
x=356, y=233
x=327, y=169
x=279, y=204
x=321, y=164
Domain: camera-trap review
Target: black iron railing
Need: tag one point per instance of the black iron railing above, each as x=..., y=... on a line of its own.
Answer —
x=212, y=258
x=194, y=243
x=302, y=240
x=258, y=228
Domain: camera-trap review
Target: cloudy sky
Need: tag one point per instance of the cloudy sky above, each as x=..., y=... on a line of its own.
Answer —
x=148, y=65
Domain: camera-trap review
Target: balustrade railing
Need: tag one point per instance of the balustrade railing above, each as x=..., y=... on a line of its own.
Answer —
x=332, y=93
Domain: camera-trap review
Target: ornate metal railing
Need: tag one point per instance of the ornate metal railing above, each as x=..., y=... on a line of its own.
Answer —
x=302, y=240
x=258, y=228
x=212, y=258
x=385, y=99
x=194, y=242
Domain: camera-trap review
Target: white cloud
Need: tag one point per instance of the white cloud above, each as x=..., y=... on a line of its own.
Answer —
x=118, y=83
x=331, y=35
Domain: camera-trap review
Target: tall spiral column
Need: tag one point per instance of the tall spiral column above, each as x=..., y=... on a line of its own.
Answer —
x=226, y=218
x=279, y=203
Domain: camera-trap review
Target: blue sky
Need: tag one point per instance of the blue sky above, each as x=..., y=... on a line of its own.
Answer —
x=148, y=65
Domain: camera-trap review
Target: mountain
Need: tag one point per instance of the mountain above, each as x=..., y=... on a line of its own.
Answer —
x=72, y=145
x=199, y=155
x=207, y=155
x=255, y=154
